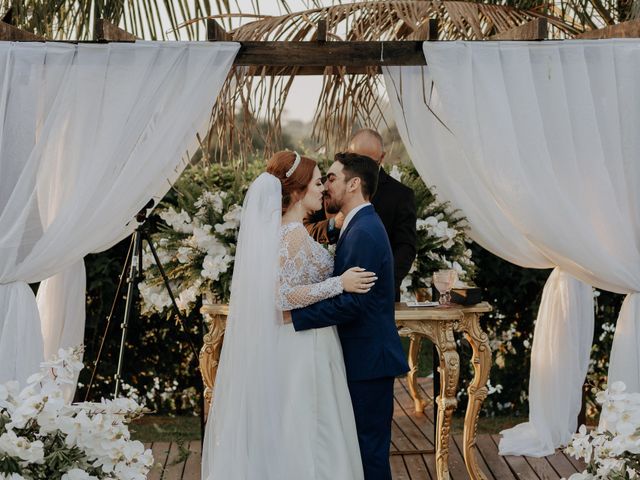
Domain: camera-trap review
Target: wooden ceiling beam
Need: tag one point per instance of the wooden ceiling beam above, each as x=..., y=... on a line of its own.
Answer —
x=629, y=29
x=9, y=33
x=322, y=54
x=536, y=29
x=105, y=31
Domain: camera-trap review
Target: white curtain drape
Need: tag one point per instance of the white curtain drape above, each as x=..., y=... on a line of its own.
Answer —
x=88, y=134
x=537, y=144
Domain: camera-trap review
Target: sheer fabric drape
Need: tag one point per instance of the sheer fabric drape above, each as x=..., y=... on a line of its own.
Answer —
x=537, y=144
x=88, y=134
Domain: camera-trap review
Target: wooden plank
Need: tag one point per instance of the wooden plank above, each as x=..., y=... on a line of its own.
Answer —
x=351, y=54
x=399, y=439
x=416, y=427
x=175, y=462
x=518, y=465
x=430, y=462
x=421, y=421
x=416, y=468
x=410, y=430
x=629, y=29
x=398, y=469
x=192, y=465
x=216, y=32
x=321, y=33
x=495, y=463
x=8, y=16
x=457, y=467
x=105, y=31
x=543, y=468
x=427, y=31
x=10, y=33
x=536, y=29
x=314, y=70
x=160, y=451
x=562, y=465
x=481, y=463
x=579, y=465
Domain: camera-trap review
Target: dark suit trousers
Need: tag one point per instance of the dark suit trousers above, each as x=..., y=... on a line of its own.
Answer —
x=373, y=409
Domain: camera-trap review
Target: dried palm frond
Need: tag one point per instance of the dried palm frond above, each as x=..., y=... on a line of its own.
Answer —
x=348, y=100
x=75, y=19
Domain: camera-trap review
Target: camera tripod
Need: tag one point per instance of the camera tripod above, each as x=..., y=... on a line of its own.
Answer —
x=133, y=264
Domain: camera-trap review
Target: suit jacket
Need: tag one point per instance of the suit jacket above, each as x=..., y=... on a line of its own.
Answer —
x=366, y=322
x=395, y=204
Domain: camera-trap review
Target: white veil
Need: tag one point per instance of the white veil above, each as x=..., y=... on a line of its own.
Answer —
x=244, y=418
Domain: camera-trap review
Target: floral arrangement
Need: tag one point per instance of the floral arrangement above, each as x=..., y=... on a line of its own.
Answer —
x=198, y=254
x=442, y=241
x=197, y=238
x=611, y=451
x=198, y=234
x=44, y=438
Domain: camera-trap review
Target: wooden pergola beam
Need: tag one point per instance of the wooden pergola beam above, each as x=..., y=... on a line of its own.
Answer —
x=429, y=30
x=215, y=31
x=629, y=29
x=323, y=54
x=9, y=33
x=105, y=31
x=536, y=29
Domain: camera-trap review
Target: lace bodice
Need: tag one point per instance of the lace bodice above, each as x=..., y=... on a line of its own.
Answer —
x=305, y=269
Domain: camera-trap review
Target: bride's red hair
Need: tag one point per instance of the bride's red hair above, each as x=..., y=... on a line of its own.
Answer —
x=295, y=186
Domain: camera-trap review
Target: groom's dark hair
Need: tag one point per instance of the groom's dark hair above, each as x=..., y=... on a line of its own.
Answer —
x=363, y=167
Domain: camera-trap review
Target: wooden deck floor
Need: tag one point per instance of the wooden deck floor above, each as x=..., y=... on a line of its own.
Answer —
x=411, y=432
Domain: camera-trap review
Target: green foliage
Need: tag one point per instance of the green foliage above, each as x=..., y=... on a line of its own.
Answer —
x=441, y=234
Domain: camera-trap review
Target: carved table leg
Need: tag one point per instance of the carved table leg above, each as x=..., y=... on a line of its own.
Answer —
x=449, y=372
x=477, y=390
x=412, y=377
x=210, y=356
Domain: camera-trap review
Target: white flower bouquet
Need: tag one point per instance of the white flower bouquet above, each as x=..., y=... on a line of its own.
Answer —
x=42, y=437
x=612, y=450
x=197, y=238
x=197, y=255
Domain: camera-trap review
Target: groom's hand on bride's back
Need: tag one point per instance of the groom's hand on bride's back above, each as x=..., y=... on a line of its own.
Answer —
x=286, y=316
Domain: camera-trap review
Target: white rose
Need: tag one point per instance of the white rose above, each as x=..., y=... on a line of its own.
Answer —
x=77, y=474
x=184, y=254
x=11, y=476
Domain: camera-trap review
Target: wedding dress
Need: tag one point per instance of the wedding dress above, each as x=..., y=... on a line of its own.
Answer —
x=281, y=407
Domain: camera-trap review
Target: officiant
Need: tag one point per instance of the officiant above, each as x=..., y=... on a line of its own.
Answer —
x=393, y=201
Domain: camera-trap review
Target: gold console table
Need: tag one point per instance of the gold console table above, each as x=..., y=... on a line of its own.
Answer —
x=439, y=324
x=435, y=323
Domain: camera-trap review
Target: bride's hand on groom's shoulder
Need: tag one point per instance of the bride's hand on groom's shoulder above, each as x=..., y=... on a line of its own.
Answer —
x=358, y=280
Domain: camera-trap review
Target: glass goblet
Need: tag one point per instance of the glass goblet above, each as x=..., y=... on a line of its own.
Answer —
x=444, y=280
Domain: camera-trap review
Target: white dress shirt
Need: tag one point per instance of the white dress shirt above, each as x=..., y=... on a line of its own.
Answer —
x=350, y=215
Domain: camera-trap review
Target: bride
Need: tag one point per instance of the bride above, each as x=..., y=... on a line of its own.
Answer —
x=281, y=408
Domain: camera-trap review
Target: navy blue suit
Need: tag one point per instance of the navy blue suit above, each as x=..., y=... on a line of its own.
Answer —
x=373, y=354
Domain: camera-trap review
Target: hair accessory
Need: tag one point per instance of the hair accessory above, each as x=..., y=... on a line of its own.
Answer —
x=296, y=162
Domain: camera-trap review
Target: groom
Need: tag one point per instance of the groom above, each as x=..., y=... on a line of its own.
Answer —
x=373, y=354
